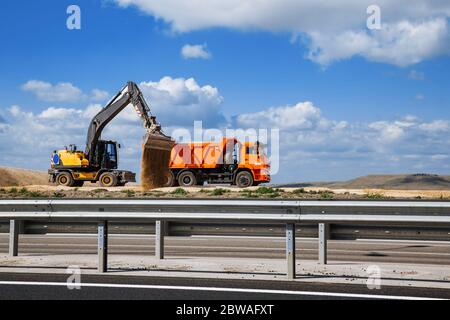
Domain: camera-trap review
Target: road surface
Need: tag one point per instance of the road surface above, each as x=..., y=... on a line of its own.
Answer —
x=423, y=252
x=45, y=286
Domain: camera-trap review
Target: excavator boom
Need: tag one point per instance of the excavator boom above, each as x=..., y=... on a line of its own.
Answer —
x=130, y=93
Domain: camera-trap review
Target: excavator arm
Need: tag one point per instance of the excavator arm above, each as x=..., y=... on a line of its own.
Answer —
x=130, y=93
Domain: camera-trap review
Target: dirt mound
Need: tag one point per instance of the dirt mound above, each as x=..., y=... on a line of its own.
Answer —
x=405, y=182
x=13, y=177
x=393, y=182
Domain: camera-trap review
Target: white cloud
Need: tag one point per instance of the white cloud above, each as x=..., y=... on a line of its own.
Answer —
x=99, y=95
x=58, y=113
x=61, y=92
x=403, y=43
x=436, y=126
x=180, y=101
x=303, y=115
x=388, y=131
x=413, y=30
x=198, y=51
x=92, y=110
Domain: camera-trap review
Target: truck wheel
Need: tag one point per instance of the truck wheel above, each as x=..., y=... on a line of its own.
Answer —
x=108, y=180
x=187, y=179
x=170, y=179
x=244, y=179
x=65, y=179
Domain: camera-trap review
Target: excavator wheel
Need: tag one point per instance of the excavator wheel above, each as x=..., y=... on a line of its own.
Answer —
x=108, y=180
x=65, y=179
x=244, y=179
x=187, y=179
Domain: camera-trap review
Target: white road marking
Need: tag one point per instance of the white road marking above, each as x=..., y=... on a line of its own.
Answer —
x=429, y=242
x=281, y=238
x=218, y=289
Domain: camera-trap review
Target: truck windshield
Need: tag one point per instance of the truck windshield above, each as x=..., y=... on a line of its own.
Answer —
x=263, y=149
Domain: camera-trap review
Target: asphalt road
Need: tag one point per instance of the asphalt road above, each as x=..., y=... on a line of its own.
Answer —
x=248, y=247
x=16, y=286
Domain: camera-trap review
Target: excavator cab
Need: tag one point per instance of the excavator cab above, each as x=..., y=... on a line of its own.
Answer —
x=106, y=155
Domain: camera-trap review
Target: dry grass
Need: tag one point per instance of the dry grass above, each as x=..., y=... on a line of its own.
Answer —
x=224, y=192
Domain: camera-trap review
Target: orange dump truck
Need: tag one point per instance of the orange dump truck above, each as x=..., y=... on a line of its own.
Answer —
x=228, y=161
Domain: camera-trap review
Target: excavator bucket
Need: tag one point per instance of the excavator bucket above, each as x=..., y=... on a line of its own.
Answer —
x=156, y=150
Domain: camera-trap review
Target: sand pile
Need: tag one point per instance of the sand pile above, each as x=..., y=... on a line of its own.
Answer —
x=155, y=161
x=12, y=177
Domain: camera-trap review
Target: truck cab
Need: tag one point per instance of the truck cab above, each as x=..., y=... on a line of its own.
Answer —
x=255, y=159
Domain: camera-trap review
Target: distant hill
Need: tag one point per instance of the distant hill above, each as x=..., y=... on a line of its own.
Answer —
x=396, y=182
x=13, y=177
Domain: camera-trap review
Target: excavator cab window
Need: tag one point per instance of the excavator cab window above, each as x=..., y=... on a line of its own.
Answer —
x=111, y=155
x=73, y=148
x=106, y=155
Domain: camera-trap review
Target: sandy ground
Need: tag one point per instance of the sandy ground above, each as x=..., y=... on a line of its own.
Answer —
x=428, y=194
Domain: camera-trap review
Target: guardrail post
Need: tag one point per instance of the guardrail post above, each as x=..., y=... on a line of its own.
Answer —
x=103, y=246
x=290, y=250
x=14, y=227
x=160, y=232
x=324, y=235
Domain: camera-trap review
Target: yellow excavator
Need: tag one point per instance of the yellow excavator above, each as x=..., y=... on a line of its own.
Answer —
x=99, y=161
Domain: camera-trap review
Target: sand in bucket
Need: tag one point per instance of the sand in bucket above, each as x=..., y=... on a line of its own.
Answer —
x=156, y=152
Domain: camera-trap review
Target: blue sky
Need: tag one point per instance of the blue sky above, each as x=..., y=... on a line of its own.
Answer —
x=256, y=63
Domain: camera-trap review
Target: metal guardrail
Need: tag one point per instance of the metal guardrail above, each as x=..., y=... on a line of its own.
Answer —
x=288, y=213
